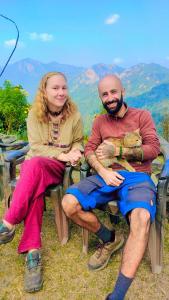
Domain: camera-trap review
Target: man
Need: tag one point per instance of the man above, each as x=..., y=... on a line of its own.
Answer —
x=134, y=190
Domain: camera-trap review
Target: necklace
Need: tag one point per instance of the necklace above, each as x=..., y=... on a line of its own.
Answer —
x=54, y=113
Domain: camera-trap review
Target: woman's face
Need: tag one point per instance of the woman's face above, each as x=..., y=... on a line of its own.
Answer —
x=56, y=92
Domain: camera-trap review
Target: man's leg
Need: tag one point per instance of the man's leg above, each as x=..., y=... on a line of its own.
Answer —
x=88, y=220
x=137, y=241
x=83, y=218
x=133, y=251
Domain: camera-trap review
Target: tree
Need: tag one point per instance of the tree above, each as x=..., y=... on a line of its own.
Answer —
x=13, y=108
x=165, y=126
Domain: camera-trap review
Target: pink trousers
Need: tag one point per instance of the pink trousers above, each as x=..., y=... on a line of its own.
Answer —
x=28, y=198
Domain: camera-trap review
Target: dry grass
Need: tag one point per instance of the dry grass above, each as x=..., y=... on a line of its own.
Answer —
x=66, y=276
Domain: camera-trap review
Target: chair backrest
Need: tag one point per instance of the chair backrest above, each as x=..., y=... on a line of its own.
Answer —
x=10, y=154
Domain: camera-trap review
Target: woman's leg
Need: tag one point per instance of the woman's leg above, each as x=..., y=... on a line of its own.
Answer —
x=27, y=201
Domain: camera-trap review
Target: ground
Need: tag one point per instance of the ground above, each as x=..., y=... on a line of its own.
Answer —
x=66, y=276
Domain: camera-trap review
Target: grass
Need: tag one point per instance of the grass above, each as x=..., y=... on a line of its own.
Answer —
x=66, y=276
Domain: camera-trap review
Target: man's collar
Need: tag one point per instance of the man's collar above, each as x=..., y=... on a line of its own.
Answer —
x=122, y=113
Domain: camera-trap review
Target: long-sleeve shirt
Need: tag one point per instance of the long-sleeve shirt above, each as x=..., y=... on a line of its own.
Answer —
x=105, y=126
x=42, y=142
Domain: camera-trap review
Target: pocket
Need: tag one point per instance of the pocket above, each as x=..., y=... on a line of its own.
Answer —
x=143, y=191
x=89, y=184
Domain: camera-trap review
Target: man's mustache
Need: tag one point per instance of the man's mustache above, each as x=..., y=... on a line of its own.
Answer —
x=112, y=101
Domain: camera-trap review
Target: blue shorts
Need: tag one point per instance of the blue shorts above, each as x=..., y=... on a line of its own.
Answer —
x=136, y=191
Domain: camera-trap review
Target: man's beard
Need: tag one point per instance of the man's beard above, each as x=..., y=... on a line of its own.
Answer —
x=113, y=111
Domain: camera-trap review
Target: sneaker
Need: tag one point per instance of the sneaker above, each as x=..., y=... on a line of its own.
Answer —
x=33, y=272
x=100, y=258
x=6, y=234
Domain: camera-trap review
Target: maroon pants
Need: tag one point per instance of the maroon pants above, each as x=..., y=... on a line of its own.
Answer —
x=27, y=203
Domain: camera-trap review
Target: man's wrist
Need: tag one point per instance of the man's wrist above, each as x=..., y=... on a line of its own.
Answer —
x=117, y=151
x=101, y=171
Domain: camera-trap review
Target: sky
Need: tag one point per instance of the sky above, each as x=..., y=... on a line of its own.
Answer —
x=84, y=33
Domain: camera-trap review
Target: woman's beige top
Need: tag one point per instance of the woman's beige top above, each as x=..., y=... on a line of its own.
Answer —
x=51, y=139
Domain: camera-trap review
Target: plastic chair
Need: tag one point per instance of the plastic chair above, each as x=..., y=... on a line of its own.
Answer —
x=9, y=161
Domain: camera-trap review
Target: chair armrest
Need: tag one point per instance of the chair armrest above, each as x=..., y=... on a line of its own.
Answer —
x=7, y=139
x=85, y=166
x=164, y=147
x=84, y=170
x=67, y=178
x=13, y=155
x=165, y=170
x=162, y=198
x=12, y=146
x=163, y=183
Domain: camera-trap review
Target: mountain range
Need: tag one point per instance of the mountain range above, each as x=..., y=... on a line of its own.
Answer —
x=147, y=85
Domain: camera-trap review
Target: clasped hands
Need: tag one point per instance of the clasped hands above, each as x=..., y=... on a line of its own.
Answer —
x=73, y=156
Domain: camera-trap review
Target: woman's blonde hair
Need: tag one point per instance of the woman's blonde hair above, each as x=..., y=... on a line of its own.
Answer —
x=40, y=102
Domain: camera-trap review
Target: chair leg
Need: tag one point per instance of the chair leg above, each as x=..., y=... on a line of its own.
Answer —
x=85, y=238
x=6, y=189
x=155, y=245
x=61, y=220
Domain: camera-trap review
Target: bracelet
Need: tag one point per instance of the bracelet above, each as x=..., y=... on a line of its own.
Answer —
x=114, y=150
x=121, y=152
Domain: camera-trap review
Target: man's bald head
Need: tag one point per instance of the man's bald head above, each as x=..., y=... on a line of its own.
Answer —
x=108, y=80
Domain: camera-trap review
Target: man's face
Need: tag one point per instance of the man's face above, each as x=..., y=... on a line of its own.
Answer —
x=111, y=94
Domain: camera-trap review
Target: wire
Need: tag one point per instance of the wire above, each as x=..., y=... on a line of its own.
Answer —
x=15, y=43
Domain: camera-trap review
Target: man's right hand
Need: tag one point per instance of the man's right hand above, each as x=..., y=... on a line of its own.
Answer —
x=111, y=177
x=106, y=150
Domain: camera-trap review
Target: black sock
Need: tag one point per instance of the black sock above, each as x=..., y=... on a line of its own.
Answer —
x=105, y=234
x=121, y=287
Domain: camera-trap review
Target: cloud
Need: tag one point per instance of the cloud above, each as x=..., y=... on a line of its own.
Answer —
x=117, y=60
x=112, y=19
x=43, y=37
x=167, y=57
x=11, y=43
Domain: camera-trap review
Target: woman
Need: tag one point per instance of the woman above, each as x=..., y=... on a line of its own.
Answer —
x=55, y=137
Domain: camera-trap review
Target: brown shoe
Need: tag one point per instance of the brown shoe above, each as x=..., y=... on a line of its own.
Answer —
x=100, y=258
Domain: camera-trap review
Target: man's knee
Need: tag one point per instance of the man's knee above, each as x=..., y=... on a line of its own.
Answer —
x=140, y=220
x=70, y=205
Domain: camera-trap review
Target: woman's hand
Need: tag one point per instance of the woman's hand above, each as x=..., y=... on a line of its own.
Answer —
x=111, y=177
x=73, y=156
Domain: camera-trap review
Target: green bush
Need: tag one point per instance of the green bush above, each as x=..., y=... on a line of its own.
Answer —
x=13, y=109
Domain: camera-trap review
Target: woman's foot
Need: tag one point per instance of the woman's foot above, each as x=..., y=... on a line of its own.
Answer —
x=33, y=271
x=6, y=233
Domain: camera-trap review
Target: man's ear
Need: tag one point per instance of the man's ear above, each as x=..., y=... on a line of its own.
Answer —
x=123, y=92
